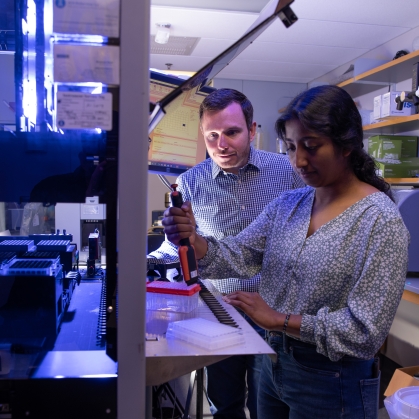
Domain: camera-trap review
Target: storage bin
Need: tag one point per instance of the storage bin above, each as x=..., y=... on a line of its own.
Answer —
x=172, y=296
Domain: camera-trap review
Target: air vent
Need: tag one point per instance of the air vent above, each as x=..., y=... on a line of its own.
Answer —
x=177, y=45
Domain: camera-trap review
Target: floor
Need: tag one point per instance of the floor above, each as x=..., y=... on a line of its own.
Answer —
x=180, y=389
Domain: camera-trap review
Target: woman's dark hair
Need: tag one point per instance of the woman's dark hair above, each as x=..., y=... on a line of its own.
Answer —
x=221, y=98
x=330, y=111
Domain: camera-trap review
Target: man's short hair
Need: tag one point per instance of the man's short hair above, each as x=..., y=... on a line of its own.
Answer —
x=221, y=98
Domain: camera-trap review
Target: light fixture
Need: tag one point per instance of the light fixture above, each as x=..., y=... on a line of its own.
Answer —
x=163, y=33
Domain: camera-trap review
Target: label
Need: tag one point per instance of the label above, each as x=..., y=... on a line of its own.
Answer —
x=90, y=209
x=86, y=64
x=87, y=17
x=76, y=110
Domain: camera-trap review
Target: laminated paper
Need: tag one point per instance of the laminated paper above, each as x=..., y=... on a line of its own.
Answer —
x=86, y=17
x=86, y=63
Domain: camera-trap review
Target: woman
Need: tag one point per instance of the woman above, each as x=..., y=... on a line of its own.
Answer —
x=333, y=259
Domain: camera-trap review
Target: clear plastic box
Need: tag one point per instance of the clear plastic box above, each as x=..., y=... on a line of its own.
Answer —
x=205, y=333
x=172, y=296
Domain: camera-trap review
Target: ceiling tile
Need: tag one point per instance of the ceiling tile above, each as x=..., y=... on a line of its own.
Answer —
x=300, y=53
x=210, y=48
x=275, y=69
x=254, y=6
x=202, y=23
x=179, y=62
x=373, y=12
x=334, y=34
x=328, y=34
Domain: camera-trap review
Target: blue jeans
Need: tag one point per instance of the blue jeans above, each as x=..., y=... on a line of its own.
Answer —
x=227, y=383
x=304, y=384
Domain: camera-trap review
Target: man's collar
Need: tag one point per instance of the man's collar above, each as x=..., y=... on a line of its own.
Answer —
x=254, y=160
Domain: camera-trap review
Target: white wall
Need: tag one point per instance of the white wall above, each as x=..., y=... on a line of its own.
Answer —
x=384, y=52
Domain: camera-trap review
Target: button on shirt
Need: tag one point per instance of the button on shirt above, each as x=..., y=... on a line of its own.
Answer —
x=224, y=203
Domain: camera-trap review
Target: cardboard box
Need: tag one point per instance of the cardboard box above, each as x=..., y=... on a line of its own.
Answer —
x=409, y=145
x=402, y=377
x=389, y=105
x=377, y=107
x=406, y=168
x=391, y=170
x=385, y=147
x=412, y=166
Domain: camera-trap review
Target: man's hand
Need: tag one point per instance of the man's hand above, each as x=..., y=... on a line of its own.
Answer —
x=179, y=223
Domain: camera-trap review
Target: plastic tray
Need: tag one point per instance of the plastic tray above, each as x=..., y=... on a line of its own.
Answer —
x=205, y=333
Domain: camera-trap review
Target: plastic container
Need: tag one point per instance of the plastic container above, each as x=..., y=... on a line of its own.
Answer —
x=205, y=333
x=172, y=296
x=258, y=138
x=403, y=404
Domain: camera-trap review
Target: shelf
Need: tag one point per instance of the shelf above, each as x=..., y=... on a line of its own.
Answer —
x=410, y=296
x=403, y=181
x=392, y=72
x=393, y=125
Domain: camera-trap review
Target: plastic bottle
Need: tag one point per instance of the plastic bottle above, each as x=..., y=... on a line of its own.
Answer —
x=280, y=147
x=258, y=137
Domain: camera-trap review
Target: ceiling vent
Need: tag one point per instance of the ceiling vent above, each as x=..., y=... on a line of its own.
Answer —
x=177, y=45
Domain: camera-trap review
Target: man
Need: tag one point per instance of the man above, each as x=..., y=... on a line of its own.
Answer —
x=227, y=192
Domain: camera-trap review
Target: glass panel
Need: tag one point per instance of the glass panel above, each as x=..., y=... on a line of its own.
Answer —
x=58, y=192
x=56, y=122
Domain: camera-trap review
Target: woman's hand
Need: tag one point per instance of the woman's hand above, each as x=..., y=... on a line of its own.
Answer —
x=267, y=318
x=179, y=223
x=255, y=307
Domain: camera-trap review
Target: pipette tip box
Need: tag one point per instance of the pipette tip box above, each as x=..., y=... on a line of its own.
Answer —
x=172, y=296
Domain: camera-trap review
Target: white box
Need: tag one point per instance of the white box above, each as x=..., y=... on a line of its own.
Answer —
x=388, y=105
x=377, y=107
x=365, y=116
x=372, y=119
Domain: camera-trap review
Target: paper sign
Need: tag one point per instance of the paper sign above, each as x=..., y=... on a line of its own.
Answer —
x=87, y=17
x=84, y=111
x=86, y=63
